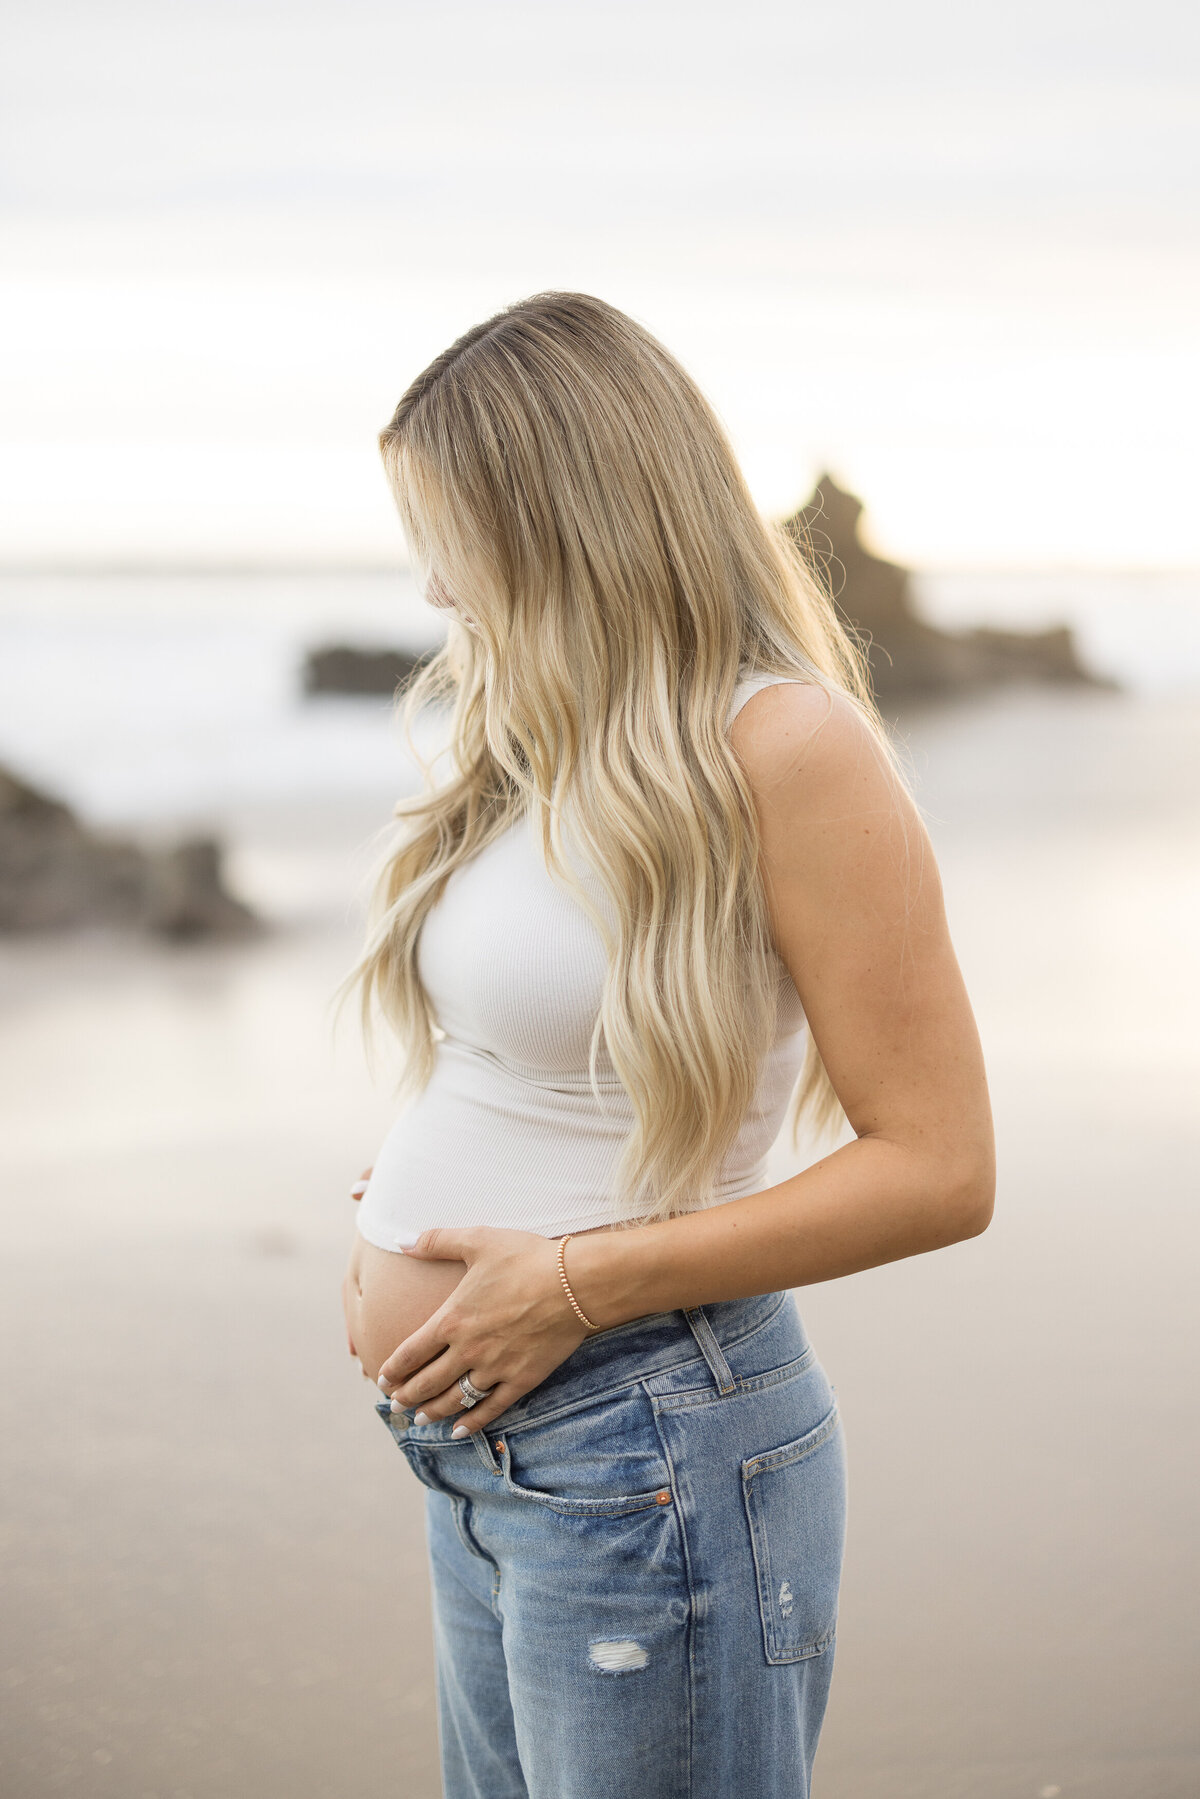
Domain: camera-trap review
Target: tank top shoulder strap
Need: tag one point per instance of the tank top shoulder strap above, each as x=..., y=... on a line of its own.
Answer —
x=748, y=687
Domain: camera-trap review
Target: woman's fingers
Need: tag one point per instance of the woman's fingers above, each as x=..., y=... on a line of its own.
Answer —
x=414, y=1358
x=360, y=1185
x=468, y=1418
x=502, y=1395
x=447, y=1402
x=427, y=1384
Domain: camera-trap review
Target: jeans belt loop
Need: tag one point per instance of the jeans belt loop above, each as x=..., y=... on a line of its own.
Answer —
x=710, y=1349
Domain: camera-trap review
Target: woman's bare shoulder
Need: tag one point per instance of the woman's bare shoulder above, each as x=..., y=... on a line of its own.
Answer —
x=802, y=742
x=853, y=885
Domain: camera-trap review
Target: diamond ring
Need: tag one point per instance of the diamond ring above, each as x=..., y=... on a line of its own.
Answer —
x=471, y=1395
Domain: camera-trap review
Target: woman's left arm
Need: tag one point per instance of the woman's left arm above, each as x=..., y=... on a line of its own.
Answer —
x=855, y=903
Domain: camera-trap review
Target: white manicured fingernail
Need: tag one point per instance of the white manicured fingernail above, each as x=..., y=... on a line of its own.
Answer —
x=397, y=1407
x=460, y=1430
x=420, y=1418
x=382, y=1384
x=357, y=1191
x=406, y=1241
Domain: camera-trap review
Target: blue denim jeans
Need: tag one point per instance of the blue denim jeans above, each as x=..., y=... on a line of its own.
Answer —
x=635, y=1569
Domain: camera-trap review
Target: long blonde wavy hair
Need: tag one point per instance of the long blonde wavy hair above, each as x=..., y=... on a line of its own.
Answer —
x=564, y=481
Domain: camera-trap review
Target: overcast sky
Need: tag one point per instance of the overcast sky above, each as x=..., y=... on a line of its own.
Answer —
x=953, y=253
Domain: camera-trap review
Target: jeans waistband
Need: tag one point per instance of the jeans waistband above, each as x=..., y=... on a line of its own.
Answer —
x=613, y=1358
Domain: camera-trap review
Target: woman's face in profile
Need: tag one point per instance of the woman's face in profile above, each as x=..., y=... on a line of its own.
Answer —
x=438, y=595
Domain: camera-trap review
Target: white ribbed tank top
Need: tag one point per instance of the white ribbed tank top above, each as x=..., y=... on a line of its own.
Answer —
x=507, y=1130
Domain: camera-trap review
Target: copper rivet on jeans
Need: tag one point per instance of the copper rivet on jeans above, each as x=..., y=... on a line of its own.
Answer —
x=663, y=1498
x=499, y=1448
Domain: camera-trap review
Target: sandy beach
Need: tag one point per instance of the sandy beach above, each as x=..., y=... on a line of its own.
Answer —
x=214, y=1564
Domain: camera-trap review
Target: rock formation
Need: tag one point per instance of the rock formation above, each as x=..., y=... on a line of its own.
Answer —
x=908, y=655
x=339, y=668
x=55, y=873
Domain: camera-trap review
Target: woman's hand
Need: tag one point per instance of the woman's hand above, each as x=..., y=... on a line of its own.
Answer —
x=506, y=1326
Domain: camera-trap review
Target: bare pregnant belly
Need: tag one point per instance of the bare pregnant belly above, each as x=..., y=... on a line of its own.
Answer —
x=388, y=1296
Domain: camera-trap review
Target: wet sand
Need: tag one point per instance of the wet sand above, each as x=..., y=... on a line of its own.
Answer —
x=214, y=1580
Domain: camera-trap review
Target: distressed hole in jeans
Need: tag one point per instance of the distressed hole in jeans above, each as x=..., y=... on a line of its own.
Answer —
x=621, y=1656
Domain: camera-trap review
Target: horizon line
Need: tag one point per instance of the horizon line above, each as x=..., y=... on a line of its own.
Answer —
x=229, y=570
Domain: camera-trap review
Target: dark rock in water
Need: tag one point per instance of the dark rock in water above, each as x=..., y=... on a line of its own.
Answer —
x=185, y=896
x=908, y=655
x=55, y=873
x=339, y=668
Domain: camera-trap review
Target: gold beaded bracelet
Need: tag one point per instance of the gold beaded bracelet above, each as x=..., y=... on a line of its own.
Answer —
x=562, y=1275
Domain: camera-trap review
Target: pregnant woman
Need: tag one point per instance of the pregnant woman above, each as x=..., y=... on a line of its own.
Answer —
x=669, y=878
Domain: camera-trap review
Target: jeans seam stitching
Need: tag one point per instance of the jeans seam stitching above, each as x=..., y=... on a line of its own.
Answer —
x=638, y=1379
x=756, y=1383
x=693, y=1611
x=710, y=1348
x=622, y=1505
x=752, y=1467
x=585, y=1508
x=814, y=1439
x=695, y=1400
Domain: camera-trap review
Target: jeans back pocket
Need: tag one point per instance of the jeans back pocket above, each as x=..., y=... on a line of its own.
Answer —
x=795, y=1499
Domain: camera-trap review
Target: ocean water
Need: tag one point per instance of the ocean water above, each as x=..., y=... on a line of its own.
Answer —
x=159, y=701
